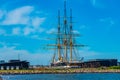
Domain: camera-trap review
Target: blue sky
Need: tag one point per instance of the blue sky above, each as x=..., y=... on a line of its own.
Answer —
x=25, y=25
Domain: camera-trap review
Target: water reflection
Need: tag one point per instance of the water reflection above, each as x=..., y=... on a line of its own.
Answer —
x=84, y=76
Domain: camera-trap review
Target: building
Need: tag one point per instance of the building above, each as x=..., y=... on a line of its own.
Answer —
x=96, y=63
x=14, y=65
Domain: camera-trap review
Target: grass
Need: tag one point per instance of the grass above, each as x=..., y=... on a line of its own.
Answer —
x=114, y=67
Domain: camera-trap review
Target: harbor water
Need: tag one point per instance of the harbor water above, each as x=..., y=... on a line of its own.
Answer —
x=80, y=76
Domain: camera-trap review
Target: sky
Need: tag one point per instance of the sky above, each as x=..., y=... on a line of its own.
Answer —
x=26, y=25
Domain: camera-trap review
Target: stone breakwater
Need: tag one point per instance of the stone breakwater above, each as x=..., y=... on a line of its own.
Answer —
x=58, y=71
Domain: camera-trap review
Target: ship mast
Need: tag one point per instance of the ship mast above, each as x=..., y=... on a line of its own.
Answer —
x=71, y=41
x=65, y=32
x=64, y=41
x=59, y=45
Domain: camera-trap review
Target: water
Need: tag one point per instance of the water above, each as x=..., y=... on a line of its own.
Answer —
x=82, y=76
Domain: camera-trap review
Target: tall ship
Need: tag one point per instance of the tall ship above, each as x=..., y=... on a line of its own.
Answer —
x=65, y=47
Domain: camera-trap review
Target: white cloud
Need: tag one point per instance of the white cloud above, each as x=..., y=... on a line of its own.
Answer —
x=87, y=53
x=28, y=30
x=35, y=37
x=1, y=13
x=25, y=15
x=98, y=3
x=16, y=31
x=18, y=16
x=38, y=37
x=41, y=29
x=7, y=53
x=76, y=32
x=108, y=21
x=53, y=30
x=2, y=43
x=2, y=32
x=36, y=22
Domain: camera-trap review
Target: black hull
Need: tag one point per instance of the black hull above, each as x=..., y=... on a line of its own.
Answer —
x=59, y=64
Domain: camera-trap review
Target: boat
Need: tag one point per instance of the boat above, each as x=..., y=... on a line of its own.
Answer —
x=65, y=46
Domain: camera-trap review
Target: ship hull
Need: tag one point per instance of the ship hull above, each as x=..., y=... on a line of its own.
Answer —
x=66, y=65
x=59, y=64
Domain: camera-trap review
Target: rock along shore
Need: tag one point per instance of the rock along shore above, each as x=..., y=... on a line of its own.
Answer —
x=58, y=71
